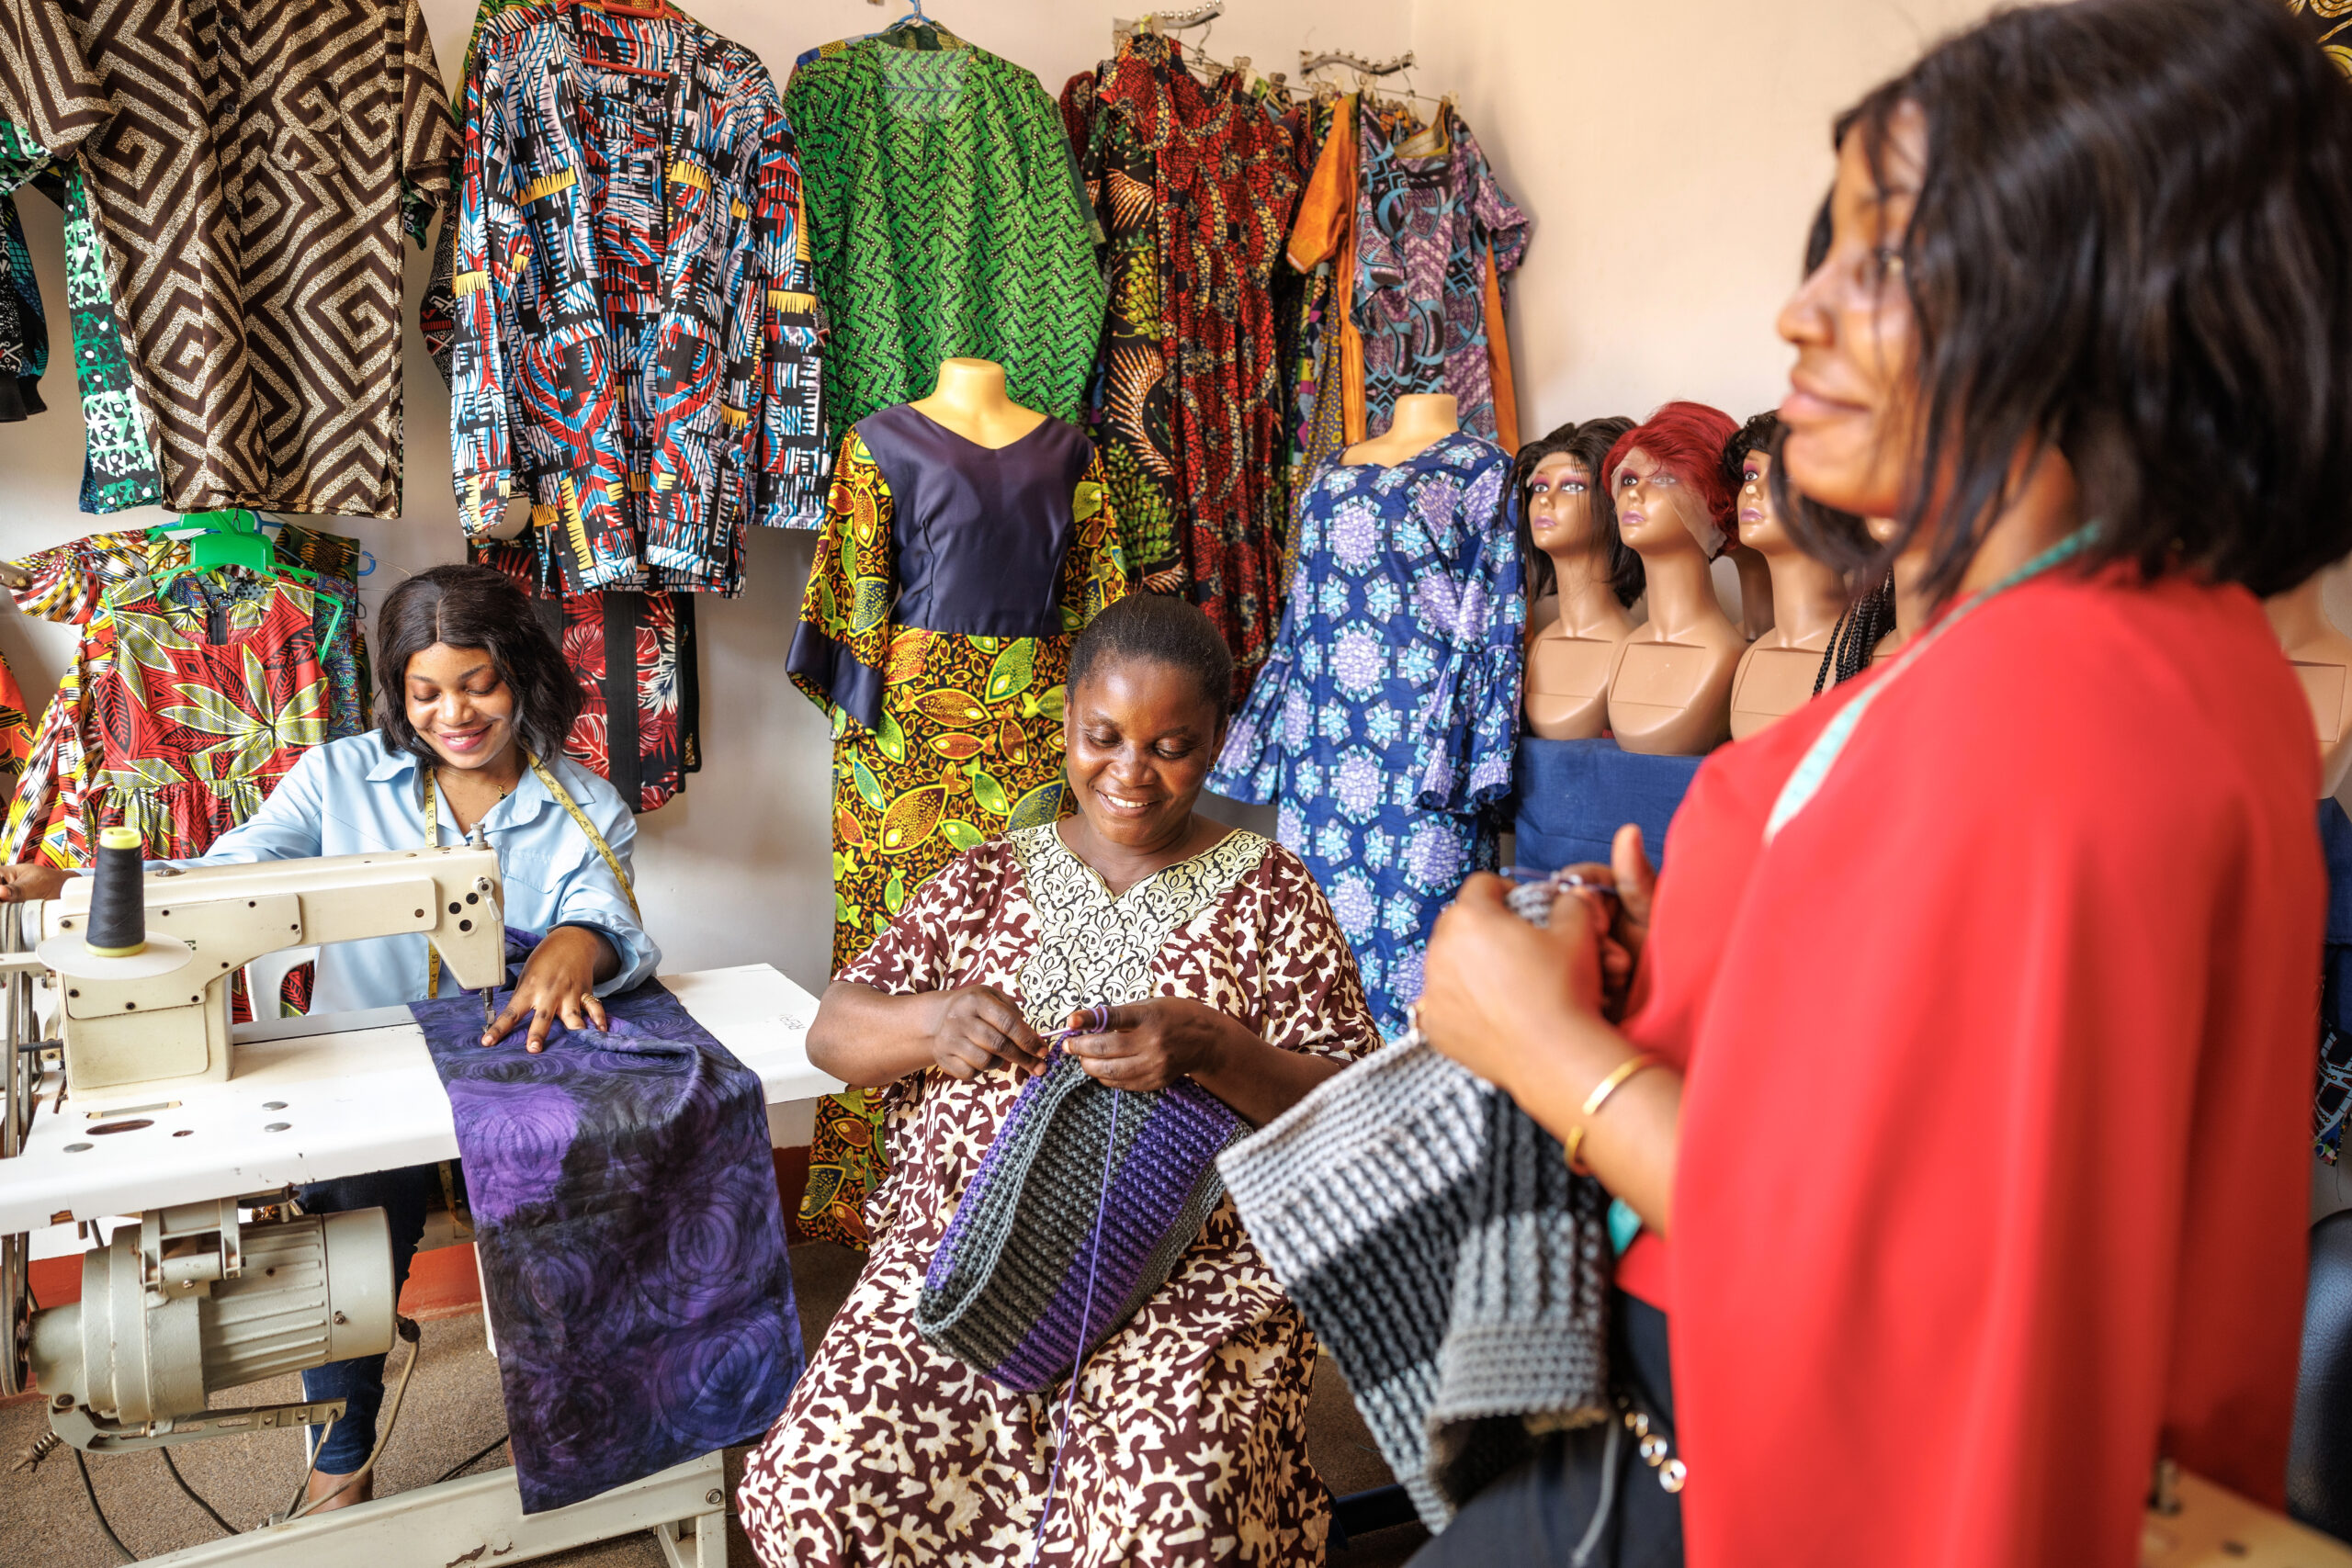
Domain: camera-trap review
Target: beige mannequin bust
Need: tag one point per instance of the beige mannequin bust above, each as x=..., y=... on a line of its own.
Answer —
x=1756, y=590
x=970, y=401
x=2322, y=661
x=1670, y=690
x=1575, y=643
x=1775, y=674
x=1422, y=420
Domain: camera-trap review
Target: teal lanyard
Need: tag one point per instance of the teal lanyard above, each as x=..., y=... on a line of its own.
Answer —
x=1812, y=771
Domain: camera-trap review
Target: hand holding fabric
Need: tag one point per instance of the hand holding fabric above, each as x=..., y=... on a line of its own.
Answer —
x=1495, y=989
x=558, y=982
x=978, y=1027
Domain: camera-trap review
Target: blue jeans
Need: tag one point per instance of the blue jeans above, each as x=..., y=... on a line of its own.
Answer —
x=359, y=1383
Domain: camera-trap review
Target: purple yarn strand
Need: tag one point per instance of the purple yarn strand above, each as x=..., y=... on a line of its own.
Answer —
x=1100, y=1016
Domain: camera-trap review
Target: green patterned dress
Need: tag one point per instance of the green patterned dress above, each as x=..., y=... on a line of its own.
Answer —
x=946, y=221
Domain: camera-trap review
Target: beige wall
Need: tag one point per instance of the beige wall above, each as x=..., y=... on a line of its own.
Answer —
x=1670, y=156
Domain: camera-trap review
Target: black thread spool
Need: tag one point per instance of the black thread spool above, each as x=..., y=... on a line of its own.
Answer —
x=117, y=902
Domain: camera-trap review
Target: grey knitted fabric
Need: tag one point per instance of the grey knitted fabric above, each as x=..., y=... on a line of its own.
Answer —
x=1439, y=1246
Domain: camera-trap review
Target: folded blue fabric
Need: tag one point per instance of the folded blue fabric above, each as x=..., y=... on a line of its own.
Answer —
x=632, y=1240
x=1573, y=795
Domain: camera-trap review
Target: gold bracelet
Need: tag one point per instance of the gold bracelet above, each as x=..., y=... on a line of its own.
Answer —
x=1595, y=1100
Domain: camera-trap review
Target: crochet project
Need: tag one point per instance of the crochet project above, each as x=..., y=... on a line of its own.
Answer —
x=1442, y=1251
x=1079, y=1201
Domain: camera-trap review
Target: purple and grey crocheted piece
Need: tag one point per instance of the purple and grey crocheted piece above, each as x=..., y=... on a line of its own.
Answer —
x=1007, y=1290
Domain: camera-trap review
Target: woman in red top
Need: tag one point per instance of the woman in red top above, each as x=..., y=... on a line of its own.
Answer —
x=1979, y=990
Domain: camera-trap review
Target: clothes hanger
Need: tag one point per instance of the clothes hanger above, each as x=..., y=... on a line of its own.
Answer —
x=659, y=11
x=232, y=536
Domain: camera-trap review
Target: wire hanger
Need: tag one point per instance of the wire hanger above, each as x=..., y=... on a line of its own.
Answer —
x=913, y=21
x=659, y=11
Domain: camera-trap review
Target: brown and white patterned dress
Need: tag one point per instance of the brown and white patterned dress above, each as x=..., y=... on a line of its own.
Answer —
x=1187, y=1443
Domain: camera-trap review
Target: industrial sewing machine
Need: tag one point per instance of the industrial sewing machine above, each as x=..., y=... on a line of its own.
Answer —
x=141, y=1098
x=192, y=1300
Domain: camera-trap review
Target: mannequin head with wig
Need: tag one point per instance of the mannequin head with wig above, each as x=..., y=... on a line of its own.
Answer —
x=1563, y=509
x=1665, y=478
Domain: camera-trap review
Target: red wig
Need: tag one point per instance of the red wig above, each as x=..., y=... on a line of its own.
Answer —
x=1686, y=438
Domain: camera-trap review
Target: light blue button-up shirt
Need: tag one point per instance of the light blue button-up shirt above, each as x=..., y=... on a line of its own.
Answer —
x=354, y=796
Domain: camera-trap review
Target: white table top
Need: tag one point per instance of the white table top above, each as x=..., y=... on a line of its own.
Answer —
x=366, y=1099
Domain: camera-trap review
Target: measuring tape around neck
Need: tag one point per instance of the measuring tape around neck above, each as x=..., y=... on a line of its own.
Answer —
x=429, y=787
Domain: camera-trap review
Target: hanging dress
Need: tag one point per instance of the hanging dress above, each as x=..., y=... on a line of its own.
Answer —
x=62, y=779
x=213, y=692
x=1225, y=178
x=1385, y=721
x=1432, y=226
x=945, y=220
x=1130, y=403
x=950, y=583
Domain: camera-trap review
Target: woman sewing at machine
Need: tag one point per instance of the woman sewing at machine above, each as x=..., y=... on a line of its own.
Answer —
x=1224, y=967
x=476, y=702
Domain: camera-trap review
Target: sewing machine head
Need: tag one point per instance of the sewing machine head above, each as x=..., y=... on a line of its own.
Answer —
x=156, y=1012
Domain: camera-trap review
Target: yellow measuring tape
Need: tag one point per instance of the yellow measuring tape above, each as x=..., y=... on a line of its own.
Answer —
x=564, y=798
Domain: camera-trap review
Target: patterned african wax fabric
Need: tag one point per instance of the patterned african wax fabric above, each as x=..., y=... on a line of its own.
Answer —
x=633, y=658
x=1385, y=722
x=248, y=167
x=17, y=730
x=211, y=692
x=947, y=221
x=2328, y=23
x=1224, y=176
x=118, y=451
x=1430, y=223
x=935, y=631
x=632, y=331
x=64, y=788
x=24, y=328
x=1187, y=1440
x=623, y=1194
x=1128, y=398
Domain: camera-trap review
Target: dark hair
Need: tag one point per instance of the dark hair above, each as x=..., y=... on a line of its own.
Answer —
x=475, y=606
x=1761, y=434
x=1166, y=631
x=1589, y=443
x=1855, y=639
x=2133, y=240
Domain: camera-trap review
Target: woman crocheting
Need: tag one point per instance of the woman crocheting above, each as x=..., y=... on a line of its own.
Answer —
x=1224, y=966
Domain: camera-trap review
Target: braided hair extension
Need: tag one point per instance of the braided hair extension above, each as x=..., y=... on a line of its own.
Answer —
x=1856, y=637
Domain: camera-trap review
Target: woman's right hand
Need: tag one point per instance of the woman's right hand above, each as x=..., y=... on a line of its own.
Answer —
x=25, y=884
x=978, y=1027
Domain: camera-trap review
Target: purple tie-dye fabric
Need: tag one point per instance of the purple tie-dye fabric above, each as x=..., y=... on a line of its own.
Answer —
x=631, y=1241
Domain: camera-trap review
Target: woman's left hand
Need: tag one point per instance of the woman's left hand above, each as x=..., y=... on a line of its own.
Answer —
x=558, y=982
x=1151, y=1044
x=1493, y=985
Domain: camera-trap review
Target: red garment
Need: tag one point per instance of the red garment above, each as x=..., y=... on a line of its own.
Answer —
x=1993, y=1153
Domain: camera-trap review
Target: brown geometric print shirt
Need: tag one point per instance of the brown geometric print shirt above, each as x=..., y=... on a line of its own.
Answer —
x=250, y=164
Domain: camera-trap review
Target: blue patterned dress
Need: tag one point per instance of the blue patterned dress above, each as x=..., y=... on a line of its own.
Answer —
x=1385, y=721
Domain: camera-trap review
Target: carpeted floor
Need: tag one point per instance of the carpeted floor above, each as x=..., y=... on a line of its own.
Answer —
x=453, y=1410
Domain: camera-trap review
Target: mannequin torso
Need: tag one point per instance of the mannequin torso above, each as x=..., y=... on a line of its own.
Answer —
x=1669, y=685
x=970, y=399
x=1775, y=674
x=1423, y=419
x=1568, y=658
x=2322, y=661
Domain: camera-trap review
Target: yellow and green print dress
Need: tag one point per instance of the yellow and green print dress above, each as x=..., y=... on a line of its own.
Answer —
x=948, y=587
